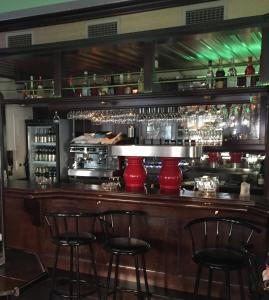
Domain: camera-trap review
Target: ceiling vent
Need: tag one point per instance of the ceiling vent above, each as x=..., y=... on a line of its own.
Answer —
x=205, y=15
x=102, y=29
x=19, y=40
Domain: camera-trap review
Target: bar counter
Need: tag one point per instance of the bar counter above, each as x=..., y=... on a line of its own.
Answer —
x=169, y=261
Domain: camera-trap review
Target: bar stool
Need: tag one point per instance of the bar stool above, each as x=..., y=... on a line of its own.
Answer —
x=218, y=243
x=119, y=243
x=72, y=230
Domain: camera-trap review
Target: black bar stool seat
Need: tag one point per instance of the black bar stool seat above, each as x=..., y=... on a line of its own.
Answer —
x=119, y=227
x=74, y=239
x=72, y=230
x=126, y=246
x=221, y=259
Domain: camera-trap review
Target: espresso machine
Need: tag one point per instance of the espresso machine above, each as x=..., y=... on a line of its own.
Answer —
x=92, y=161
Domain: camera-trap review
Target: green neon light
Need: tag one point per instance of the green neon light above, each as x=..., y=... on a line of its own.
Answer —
x=232, y=47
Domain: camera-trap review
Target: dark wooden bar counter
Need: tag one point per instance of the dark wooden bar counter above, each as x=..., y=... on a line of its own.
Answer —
x=169, y=262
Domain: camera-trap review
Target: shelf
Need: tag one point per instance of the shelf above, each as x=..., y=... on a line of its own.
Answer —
x=195, y=97
x=44, y=144
x=45, y=163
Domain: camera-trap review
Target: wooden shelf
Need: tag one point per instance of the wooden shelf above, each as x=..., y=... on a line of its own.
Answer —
x=187, y=97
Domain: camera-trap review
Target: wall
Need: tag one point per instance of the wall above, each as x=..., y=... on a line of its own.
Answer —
x=157, y=19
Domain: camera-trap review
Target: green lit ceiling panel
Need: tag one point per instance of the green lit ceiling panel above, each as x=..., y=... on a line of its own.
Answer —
x=198, y=49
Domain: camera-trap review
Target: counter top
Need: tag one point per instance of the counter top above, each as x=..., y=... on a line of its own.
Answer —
x=145, y=194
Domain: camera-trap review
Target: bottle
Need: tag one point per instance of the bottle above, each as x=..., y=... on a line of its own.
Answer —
x=140, y=81
x=244, y=188
x=250, y=73
x=128, y=89
x=104, y=89
x=40, y=90
x=260, y=179
x=52, y=93
x=220, y=81
x=232, y=75
x=94, y=90
x=210, y=76
x=56, y=118
x=86, y=91
x=111, y=89
x=32, y=87
x=120, y=88
x=71, y=86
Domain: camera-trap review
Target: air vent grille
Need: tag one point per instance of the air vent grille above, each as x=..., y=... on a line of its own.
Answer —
x=102, y=29
x=20, y=40
x=205, y=15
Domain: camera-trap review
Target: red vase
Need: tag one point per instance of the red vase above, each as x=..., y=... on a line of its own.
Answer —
x=170, y=177
x=135, y=174
x=213, y=156
x=235, y=157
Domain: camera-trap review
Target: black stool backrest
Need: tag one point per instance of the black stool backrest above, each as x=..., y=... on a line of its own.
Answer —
x=61, y=223
x=215, y=232
x=122, y=223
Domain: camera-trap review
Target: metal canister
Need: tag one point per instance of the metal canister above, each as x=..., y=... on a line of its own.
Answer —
x=131, y=131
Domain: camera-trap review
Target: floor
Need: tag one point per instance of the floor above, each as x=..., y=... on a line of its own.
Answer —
x=40, y=291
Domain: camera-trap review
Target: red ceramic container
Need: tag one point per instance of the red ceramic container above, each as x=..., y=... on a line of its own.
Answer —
x=135, y=173
x=235, y=157
x=170, y=177
x=213, y=156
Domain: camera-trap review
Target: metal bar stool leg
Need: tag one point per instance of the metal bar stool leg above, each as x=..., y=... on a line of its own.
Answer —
x=209, y=283
x=197, y=282
x=109, y=276
x=96, y=279
x=139, y=293
x=116, y=277
x=54, y=272
x=77, y=271
x=71, y=272
x=240, y=279
x=227, y=285
x=145, y=276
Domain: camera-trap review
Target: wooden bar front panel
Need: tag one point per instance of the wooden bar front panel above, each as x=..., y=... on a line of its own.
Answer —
x=169, y=261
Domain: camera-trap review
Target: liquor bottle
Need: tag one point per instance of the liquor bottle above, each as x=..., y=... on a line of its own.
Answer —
x=210, y=76
x=104, y=89
x=71, y=86
x=220, y=81
x=140, y=81
x=40, y=89
x=128, y=88
x=250, y=73
x=120, y=88
x=94, y=90
x=232, y=75
x=86, y=91
x=32, y=87
x=52, y=92
x=111, y=89
x=26, y=92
